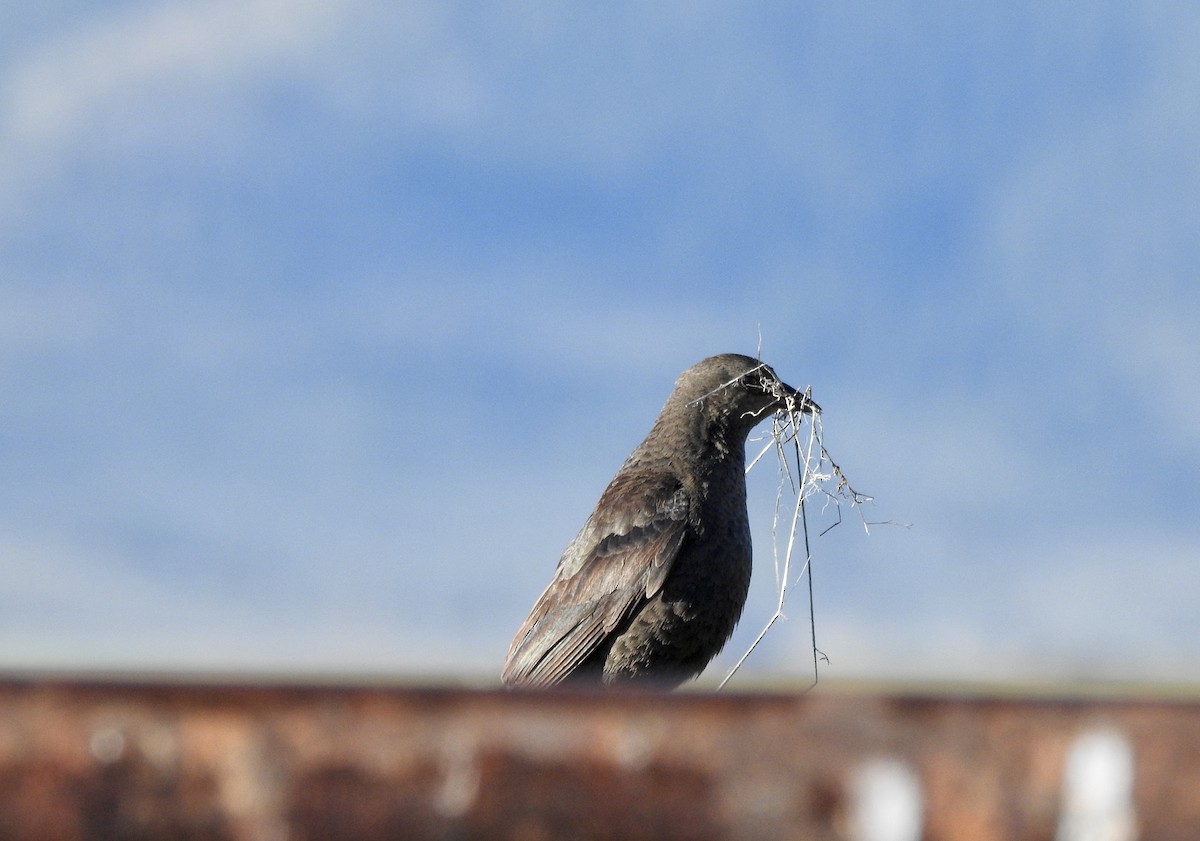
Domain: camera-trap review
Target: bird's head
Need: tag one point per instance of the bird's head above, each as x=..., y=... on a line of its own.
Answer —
x=741, y=390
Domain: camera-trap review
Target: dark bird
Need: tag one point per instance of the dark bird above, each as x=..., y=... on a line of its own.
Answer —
x=650, y=589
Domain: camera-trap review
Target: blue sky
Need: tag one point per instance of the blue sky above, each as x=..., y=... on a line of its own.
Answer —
x=323, y=325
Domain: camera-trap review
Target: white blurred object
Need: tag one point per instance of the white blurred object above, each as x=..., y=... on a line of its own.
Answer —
x=886, y=802
x=1098, y=789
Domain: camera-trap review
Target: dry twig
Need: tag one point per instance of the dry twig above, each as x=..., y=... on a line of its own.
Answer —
x=806, y=470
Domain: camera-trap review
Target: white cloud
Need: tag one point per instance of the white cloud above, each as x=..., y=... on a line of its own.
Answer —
x=60, y=90
x=171, y=71
x=1127, y=591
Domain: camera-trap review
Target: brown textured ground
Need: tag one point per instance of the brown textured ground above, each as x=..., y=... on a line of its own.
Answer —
x=177, y=760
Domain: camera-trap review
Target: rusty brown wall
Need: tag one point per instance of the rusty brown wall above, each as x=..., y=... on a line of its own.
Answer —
x=127, y=760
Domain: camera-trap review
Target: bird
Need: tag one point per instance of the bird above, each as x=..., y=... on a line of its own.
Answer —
x=650, y=589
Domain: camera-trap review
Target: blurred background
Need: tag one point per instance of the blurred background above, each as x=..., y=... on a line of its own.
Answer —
x=324, y=324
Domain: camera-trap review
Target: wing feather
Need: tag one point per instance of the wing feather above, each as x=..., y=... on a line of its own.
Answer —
x=620, y=558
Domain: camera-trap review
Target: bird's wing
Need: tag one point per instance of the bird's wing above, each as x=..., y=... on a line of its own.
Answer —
x=620, y=558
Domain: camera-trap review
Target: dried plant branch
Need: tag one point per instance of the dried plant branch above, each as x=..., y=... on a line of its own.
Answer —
x=805, y=470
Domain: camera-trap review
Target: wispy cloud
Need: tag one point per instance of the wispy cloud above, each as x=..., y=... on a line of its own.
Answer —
x=59, y=91
x=145, y=76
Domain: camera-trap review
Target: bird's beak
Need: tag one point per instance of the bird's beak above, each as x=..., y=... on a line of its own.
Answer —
x=799, y=401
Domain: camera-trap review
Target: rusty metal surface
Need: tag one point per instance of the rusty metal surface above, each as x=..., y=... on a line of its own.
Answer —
x=127, y=760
